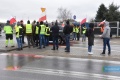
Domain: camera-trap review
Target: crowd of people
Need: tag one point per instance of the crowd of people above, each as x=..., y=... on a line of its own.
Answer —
x=38, y=33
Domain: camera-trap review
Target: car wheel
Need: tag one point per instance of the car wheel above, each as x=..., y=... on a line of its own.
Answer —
x=59, y=40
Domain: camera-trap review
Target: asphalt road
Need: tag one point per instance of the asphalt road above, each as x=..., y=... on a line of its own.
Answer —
x=29, y=67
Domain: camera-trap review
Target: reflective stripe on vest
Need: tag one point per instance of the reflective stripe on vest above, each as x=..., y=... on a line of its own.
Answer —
x=42, y=31
x=8, y=29
x=36, y=31
x=28, y=28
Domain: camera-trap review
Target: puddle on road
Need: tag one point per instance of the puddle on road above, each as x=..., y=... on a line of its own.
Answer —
x=16, y=61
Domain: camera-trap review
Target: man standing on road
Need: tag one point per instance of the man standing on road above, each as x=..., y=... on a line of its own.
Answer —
x=41, y=32
x=23, y=34
x=47, y=34
x=29, y=34
x=55, y=34
x=9, y=33
x=106, y=39
x=67, y=30
x=36, y=34
x=19, y=32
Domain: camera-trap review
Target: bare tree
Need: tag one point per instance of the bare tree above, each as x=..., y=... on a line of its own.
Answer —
x=64, y=14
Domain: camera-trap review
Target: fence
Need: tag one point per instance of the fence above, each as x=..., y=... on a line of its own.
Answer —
x=114, y=25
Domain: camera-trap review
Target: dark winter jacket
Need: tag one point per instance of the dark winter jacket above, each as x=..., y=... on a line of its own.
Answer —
x=55, y=30
x=90, y=37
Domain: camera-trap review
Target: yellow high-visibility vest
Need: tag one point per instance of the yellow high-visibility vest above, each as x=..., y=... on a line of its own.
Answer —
x=84, y=31
x=28, y=28
x=47, y=29
x=36, y=31
x=42, y=31
x=8, y=30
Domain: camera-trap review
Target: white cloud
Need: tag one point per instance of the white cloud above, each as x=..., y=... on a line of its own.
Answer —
x=24, y=9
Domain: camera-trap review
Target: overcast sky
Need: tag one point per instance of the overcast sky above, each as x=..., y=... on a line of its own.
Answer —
x=30, y=9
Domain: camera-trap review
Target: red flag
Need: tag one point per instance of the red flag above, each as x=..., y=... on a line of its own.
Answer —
x=43, y=16
x=12, y=20
x=83, y=21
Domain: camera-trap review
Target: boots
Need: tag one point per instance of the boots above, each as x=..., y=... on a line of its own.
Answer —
x=103, y=53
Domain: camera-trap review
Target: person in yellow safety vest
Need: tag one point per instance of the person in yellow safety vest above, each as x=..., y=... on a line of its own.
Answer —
x=83, y=33
x=74, y=32
x=29, y=33
x=47, y=34
x=9, y=33
x=36, y=34
x=19, y=32
x=41, y=32
x=78, y=32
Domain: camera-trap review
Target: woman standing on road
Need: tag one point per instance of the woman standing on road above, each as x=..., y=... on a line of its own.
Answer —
x=90, y=33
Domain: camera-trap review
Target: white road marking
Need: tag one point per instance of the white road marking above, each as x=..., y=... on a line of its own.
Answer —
x=67, y=73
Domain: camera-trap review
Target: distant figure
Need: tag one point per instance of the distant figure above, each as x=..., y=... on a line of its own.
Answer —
x=67, y=30
x=90, y=36
x=78, y=32
x=9, y=34
x=47, y=34
x=74, y=32
x=106, y=39
x=83, y=33
x=55, y=34
x=33, y=26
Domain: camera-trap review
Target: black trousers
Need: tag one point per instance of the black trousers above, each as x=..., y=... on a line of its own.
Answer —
x=78, y=36
x=30, y=40
x=36, y=37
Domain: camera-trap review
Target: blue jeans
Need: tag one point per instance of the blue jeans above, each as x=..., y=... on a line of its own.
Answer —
x=74, y=35
x=89, y=48
x=106, y=41
x=19, y=42
x=46, y=40
x=67, y=38
x=83, y=37
x=55, y=42
x=42, y=40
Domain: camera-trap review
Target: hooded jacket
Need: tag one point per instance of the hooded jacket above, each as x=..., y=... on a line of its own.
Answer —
x=107, y=30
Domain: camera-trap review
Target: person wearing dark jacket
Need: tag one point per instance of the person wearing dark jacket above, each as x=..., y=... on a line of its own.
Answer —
x=36, y=34
x=67, y=30
x=90, y=38
x=55, y=34
x=23, y=33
